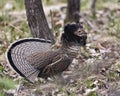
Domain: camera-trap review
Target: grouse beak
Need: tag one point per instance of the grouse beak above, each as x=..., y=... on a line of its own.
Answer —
x=82, y=36
x=80, y=33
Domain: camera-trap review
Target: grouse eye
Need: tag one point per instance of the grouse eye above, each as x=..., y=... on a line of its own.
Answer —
x=78, y=32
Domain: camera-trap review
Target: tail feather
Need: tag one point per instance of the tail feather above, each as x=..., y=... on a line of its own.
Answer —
x=18, y=52
x=32, y=77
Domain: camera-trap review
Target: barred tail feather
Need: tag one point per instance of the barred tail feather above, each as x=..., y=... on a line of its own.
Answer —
x=18, y=52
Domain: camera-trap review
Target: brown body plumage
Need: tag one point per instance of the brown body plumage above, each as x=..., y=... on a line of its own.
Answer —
x=33, y=58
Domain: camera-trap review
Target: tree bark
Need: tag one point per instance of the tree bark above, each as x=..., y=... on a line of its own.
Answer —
x=37, y=21
x=93, y=9
x=73, y=9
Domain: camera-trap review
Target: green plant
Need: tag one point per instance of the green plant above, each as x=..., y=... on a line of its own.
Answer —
x=89, y=83
x=114, y=29
x=6, y=83
x=93, y=94
x=19, y=4
x=2, y=93
x=1, y=68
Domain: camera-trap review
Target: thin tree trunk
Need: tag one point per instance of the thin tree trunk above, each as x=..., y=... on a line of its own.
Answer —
x=37, y=21
x=93, y=7
x=73, y=9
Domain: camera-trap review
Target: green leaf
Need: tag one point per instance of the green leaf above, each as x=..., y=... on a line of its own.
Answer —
x=1, y=68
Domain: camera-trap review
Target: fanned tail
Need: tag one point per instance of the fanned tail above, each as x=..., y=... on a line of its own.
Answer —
x=18, y=52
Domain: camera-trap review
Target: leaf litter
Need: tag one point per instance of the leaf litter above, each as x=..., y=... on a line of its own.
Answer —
x=95, y=72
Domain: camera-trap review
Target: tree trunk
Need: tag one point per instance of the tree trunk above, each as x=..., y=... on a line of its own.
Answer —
x=37, y=21
x=93, y=7
x=73, y=9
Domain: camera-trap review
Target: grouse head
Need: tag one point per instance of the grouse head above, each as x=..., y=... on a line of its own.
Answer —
x=74, y=34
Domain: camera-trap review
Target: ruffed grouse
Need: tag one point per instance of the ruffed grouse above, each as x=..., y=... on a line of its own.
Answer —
x=32, y=58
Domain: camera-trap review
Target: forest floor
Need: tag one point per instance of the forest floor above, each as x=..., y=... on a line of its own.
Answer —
x=95, y=72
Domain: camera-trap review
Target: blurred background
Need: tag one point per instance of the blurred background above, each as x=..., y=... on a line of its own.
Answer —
x=95, y=74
